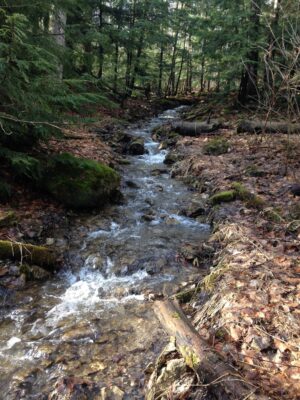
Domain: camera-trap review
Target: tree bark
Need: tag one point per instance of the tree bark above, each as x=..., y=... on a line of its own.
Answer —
x=161, y=66
x=248, y=83
x=199, y=356
x=101, y=48
x=195, y=128
x=59, y=21
x=267, y=127
x=181, y=66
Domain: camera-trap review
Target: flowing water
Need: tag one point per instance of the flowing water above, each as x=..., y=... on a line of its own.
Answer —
x=92, y=326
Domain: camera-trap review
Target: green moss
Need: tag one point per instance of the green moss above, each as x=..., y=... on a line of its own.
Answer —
x=216, y=147
x=272, y=215
x=5, y=192
x=80, y=183
x=251, y=200
x=7, y=218
x=255, y=202
x=223, y=197
x=294, y=211
x=210, y=280
x=253, y=170
x=191, y=358
x=25, y=269
x=294, y=227
x=238, y=192
x=241, y=192
x=29, y=253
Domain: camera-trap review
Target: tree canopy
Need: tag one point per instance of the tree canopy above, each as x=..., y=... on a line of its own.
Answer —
x=58, y=56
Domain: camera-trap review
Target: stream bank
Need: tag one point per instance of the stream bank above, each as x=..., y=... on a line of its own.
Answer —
x=247, y=307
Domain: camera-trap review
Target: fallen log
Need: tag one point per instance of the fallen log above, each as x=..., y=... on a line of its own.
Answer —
x=199, y=356
x=255, y=126
x=195, y=128
x=31, y=254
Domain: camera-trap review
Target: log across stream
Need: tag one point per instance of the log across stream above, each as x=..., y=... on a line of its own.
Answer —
x=91, y=329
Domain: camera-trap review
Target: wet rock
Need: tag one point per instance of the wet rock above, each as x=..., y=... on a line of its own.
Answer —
x=197, y=254
x=84, y=332
x=132, y=185
x=195, y=209
x=7, y=218
x=159, y=171
x=136, y=147
x=152, y=265
x=93, y=367
x=150, y=202
x=148, y=217
x=50, y=241
x=171, y=221
x=72, y=388
x=113, y=393
x=171, y=158
x=34, y=273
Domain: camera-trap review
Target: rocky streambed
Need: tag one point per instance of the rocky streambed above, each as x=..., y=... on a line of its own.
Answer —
x=89, y=332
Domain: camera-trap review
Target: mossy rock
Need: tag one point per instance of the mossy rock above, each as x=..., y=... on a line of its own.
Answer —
x=5, y=192
x=171, y=158
x=34, y=272
x=80, y=183
x=223, y=197
x=241, y=192
x=238, y=192
x=254, y=171
x=7, y=218
x=216, y=147
x=272, y=215
x=250, y=199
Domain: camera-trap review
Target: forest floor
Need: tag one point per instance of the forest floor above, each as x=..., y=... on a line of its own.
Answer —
x=251, y=312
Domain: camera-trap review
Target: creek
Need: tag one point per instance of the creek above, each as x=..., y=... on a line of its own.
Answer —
x=91, y=325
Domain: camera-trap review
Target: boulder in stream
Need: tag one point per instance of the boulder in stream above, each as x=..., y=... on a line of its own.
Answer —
x=80, y=183
x=136, y=147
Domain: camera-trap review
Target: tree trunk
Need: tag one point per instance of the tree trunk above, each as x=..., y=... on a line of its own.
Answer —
x=116, y=67
x=271, y=51
x=199, y=356
x=248, y=84
x=171, y=82
x=195, y=128
x=101, y=48
x=181, y=66
x=189, y=68
x=59, y=21
x=267, y=127
x=161, y=66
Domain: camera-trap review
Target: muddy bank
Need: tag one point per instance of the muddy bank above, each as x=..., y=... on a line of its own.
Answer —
x=247, y=307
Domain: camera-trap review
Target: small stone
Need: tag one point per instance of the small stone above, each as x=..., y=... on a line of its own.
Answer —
x=148, y=217
x=118, y=394
x=50, y=241
x=261, y=342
